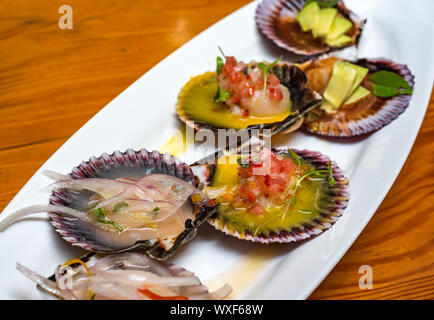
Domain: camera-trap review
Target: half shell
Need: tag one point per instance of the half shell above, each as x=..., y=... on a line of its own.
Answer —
x=129, y=262
x=367, y=115
x=130, y=164
x=197, y=106
x=332, y=203
x=276, y=20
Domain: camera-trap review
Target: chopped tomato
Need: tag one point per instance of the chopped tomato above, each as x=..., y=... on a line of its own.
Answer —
x=263, y=177
x=243, y=86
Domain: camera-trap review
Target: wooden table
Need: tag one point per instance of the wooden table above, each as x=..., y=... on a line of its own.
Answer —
x=52, y=81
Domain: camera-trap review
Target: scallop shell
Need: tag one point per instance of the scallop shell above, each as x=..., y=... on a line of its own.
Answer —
x=380, y=114
x=175, y=271
x=338, y=198
x=303, y=100
x=130, y=164
x=269, y=12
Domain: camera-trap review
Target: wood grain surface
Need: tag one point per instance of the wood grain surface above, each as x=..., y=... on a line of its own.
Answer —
x=52, y=81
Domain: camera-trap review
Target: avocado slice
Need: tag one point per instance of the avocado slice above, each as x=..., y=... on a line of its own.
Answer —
x=328, y=107
x=360, y=75
x=339, y=27
x=325, y=20
x=339, y=41
x=308, y=16
x=358, y=94
x=340, y=83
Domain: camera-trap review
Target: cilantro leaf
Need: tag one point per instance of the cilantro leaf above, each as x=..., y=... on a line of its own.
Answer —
x=220, y=65
x=100, y=215
x=222, y=95
x=119, y=206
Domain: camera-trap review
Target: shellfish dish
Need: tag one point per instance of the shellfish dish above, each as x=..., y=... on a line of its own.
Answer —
x=279, y=195
x=308, y=28
x=123, y=276
x=251, y=95
x=218, y=220
x=125, y=201
x=359, y=97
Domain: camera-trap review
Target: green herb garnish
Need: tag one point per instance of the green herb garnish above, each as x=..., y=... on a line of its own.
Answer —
x=90, y=207
x=319, y=173
x=265, y=69
x=100, y=215
x=223, y=94
x=243, y=164
x=387, y=84
x=154, y=212
x=93, y=297
x=220, y=65
x=119, y=206
x=323, y=4
x=296, y=158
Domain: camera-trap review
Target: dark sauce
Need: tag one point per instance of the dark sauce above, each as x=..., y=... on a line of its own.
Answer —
x=289, y=30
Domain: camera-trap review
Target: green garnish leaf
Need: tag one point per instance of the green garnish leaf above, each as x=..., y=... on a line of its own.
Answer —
x=319, y=173
x=93, y=297
x=220, y=65
x=154, y=212
x=331, y=180
x=91, y=206
x=265, y=69
x=241, y=163
x=116, y=225
x=100, y=215
x=323, y=4
x=387, y=84
x=224, y=95
x=295, y=157
x=119, y=206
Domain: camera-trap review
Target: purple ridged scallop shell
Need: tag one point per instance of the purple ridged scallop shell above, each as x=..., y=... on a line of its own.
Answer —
x=380, y=114
x=269, y=12
x=129, y=164
x=303, y=100
x=338, y=198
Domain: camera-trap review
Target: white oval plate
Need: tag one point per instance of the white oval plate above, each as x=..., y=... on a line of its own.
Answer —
x=143, y=116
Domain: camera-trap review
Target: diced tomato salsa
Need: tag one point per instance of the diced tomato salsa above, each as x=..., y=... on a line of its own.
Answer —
x=242, y=82
x=262, y=179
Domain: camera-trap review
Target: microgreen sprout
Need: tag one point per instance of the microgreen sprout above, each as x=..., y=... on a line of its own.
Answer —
x=265, y=69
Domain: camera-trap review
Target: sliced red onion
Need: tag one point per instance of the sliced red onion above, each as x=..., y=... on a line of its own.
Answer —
x=139, y=277
x=41, y=208
x=55, y=175
x=219, y=294
x=111, y=278
x=105, y=187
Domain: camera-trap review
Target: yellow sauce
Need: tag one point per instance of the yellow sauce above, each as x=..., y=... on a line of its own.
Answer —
x=243, y=273
x=197, y=102
x=177, y=144
x=310, y=196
